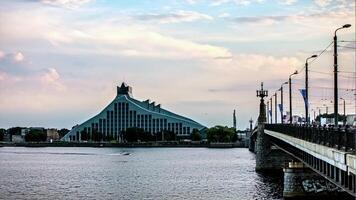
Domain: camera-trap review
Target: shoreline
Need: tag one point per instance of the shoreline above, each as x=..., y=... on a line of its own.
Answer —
x=126, y=145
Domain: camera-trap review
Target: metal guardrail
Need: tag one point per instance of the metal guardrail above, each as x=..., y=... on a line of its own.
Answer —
x=339, y=138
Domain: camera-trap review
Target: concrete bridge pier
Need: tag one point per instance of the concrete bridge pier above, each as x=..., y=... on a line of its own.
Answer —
x=301, y=182
x=268, y=157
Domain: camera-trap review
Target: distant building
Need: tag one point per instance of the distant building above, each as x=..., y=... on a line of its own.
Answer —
x=52, y=134
x=18, y=138
x=25, y=131
x=351, y=120
x=125, y=112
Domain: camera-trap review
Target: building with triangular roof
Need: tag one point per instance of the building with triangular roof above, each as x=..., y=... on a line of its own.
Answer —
x=126, y=112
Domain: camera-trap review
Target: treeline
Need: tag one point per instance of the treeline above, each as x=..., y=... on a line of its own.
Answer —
x=31, y=135
x=135, y=134
x=221, y=134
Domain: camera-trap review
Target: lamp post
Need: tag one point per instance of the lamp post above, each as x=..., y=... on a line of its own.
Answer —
x=251, y=121
x=319, y=112
x=262, y=94
x=271, y=99
x=290, y=97
x=307, y=89
x=326, y=109
x=313, y=115
x=281, y=89
x=344, y=111
x=336, y=100
x=267, y=112
x=275, y=107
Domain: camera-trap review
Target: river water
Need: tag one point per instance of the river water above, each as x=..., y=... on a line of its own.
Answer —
x=132, y=173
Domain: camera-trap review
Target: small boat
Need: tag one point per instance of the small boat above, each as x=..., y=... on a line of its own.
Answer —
x=125, y=153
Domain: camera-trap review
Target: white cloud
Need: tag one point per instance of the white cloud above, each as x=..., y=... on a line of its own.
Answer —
x=237, y=2
x=322, y=3
x=51, y=77
x=288, y=2
x=224, y=15
x=66, y=3
x=191, y=1
x=2, y=54
x=18, y=57
x=175, y=17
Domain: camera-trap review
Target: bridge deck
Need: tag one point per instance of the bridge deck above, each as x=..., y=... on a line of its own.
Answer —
x=335, y=160
x=341, y=159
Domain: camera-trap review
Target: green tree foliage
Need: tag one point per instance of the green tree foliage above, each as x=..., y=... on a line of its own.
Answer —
x=221, y=134
x=15, y=130
x=331, y=115
x=97, y=136
x=62, y=132
x=84, y=135
x=195, y=136
x=36, y=135
x=135, y=134
x=2, y=133
x=169, y=135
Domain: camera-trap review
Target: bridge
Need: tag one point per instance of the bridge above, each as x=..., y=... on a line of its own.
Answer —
x=315, y=159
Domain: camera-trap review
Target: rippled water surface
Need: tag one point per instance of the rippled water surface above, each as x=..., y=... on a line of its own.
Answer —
x=134, y=173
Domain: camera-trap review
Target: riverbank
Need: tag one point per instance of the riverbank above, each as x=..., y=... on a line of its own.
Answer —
x=127, y=145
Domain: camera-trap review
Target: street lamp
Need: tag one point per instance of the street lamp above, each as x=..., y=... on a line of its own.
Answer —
x=336, y=100
x=290, y=96
x=271, y=99
x=275, y=107
x=344, y=111
x=281, y=89
x=267, y=112
x=326, y=109
x=307, y=88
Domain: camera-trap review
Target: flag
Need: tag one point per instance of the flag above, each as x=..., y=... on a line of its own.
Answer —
x=304, y=94
x=280, y=108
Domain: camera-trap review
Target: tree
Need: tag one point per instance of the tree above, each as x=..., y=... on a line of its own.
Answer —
x=36, y=135
x=134, y=134
x=331, y=115
x=84, y=135
x=62, y=132
x=97, y=136
x=15, y=130
x=2, y=133
x=169, y=135
x=220, y=134
x=195, y=136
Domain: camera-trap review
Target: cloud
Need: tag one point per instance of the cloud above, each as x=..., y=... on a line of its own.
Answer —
x=224, y=15
x=322, y=3
x=288, y=2
x=191, y=1
x=2, y=54
x=175, y=17
x=237, y=2
x=266, y=20
x=107, y=37
x=302, y=19
x=71, y=4
x=18, y=57
x=50, y=76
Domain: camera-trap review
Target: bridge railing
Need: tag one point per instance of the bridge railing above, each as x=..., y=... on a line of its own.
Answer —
x=339, y=138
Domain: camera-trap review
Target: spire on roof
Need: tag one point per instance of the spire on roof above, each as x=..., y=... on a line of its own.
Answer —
x=124, y=89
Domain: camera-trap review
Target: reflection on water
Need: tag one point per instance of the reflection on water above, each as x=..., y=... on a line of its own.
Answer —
x=133, y=173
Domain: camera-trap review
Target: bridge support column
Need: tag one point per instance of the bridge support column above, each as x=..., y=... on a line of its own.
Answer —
x=300, y=181
x=268, y=157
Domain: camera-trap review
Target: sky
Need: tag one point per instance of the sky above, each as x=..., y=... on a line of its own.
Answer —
x=61, y=60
